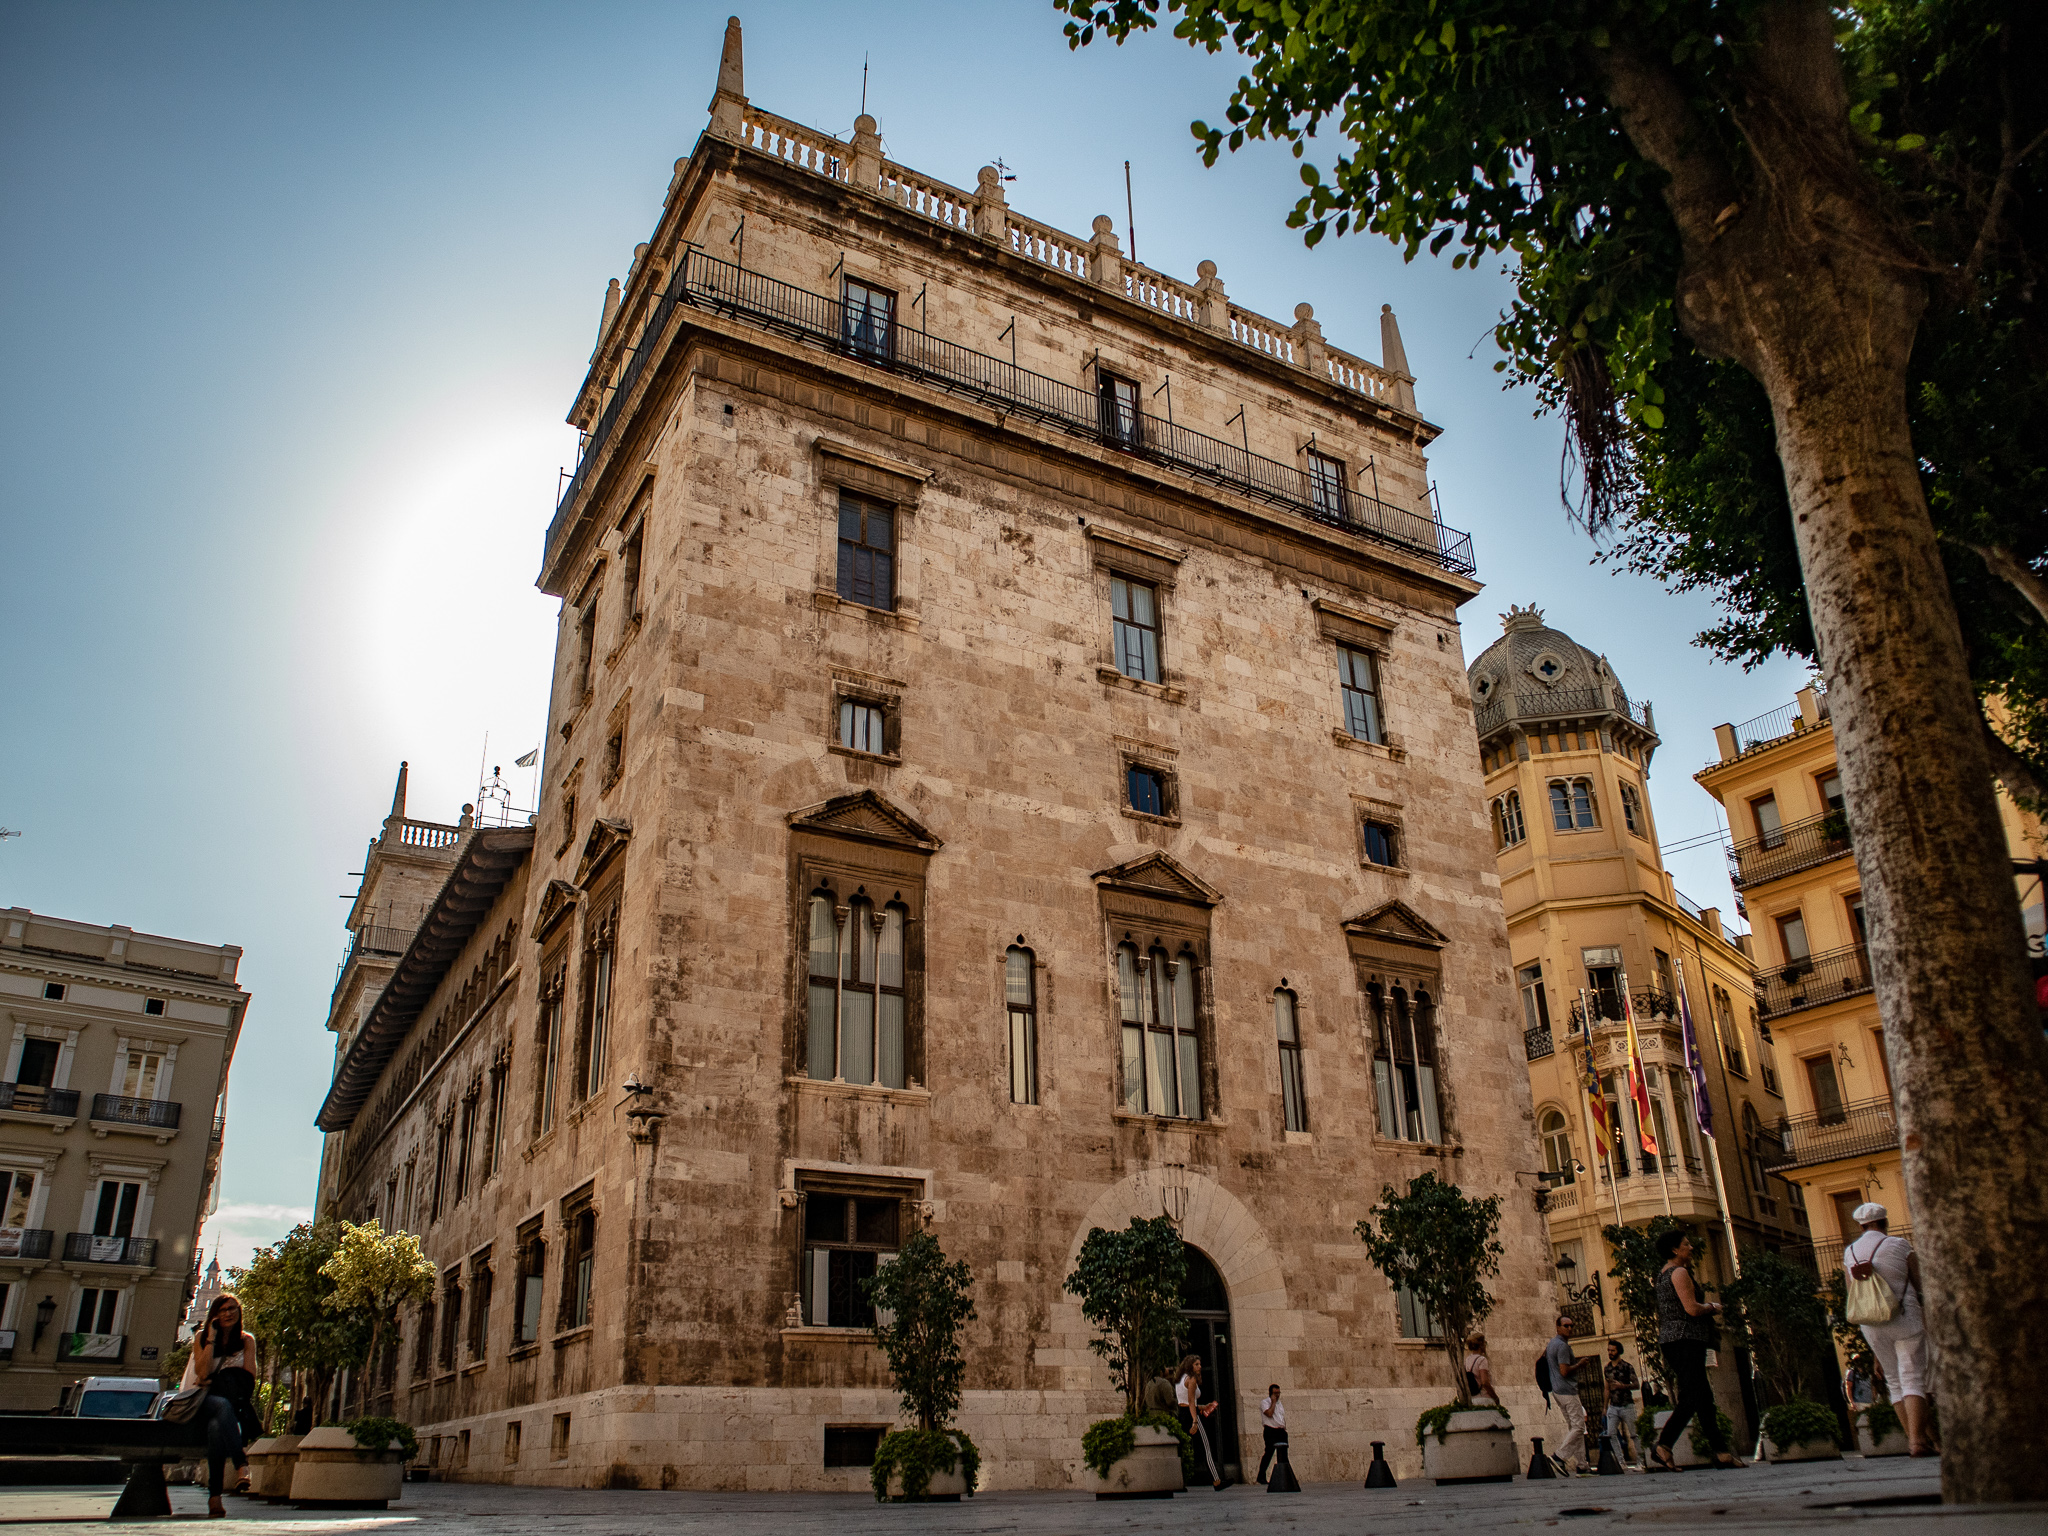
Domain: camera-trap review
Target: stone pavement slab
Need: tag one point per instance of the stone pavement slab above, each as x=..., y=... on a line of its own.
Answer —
x=1877, y=1498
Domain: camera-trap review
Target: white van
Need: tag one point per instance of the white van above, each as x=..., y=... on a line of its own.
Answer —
x=116, y=1397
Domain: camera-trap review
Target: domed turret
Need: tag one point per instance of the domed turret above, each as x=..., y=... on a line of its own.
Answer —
x=1535, y=679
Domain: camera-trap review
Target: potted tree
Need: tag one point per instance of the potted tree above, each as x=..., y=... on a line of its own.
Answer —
x=1776, y=1310
x=1879, y=1432
x=285, y=1294
x=1441, y=1247
x=363, y=1462
x=1801, y=1430
x=1129, y=1283
x=920, y=1304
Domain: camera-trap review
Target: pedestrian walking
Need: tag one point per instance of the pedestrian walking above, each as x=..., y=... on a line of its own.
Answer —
x=1193, y=1412
x=1859, y=1386
x=1479, y=1373
x=223, y=1359
x=1563, y=1365
x=1273, y=1424
x=1621, y=1405
x=1899, y=1340
x=1685, y=1332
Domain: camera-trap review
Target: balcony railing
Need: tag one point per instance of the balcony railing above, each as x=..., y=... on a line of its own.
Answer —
x=157, y=1114
x=1537, y=1043
x=91, y=1248
x=25, y=1242
x=34, y=1099
x=1559, y=703
x=1652, y=1005
x=1795, y=846
x=1812, y=980
x=706, y=282
x=106, y=1347
x=375, y=939
x=1845, y=1130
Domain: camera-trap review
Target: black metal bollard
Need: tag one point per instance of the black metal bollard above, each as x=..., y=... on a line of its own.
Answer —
x=1610, y=1459
x=1282, y=1479
x=1539, y=1464
x=1379, y=1474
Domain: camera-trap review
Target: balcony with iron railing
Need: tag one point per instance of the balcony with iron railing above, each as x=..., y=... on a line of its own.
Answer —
x=36, y=1099
x=1562, y=704
x=1537, y=1043
x=1795, y=846
x=1811, y=980
x=1836, y=1131
x=25, y=1242
x=1652, y=1005
x=144, y=1114
x=721, y=287
x=93, y=1248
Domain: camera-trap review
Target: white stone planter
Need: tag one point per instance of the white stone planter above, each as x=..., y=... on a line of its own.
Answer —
x=1478, y=1447
x=1893, y=1444
x=950, y=1484
x=1818, y=1450
x=1151, y=1471
x=270, y=1466
x=332, y=1469
x=1682, y=1453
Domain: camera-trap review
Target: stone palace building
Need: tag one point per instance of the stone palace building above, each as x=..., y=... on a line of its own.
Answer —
x=986, y=790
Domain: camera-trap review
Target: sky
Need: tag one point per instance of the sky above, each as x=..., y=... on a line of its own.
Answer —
x=293, y=300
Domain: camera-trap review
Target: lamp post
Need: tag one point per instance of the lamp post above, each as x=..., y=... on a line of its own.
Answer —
x=46, y=1309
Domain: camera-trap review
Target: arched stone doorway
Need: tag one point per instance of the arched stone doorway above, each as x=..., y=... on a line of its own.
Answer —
x=1205, y=1313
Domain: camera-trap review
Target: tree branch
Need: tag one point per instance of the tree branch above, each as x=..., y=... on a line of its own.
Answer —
x=1666, y=131
x=2018, y=574
x=2009, y=161
x=2013, y=770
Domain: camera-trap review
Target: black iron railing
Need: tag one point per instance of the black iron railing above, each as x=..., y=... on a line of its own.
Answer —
x=34, y=1099
x=26, y=1243
x=1841, y=1130
x=1795, y=846
x=1652, y=1005
x=706, y=282
x=90, y=1248
x=1812, y=980
x=157, y=1114
x=1537, y=1043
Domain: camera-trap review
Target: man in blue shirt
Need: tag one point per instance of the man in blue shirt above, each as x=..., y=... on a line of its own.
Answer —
x=1562, y=1363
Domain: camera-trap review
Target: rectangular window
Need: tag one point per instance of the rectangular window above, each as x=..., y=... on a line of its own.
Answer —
x=1884, y=1065
x=1508, y=827
x=1404, y=1062
x=1535, y=1005
x=1020, y=991
x=551, y=1054
x=1293, y=1088
x=465, y=1148
x=1416, y=1322
x=1831, y=790
x=1571, y=804
x=1765, y=811
x=1134, y=613
x=856, y=993
x=451, y=1316
x=861, y=727
x=1162, y=1046
x=586, y=649
x=1382, y=844
x=1326, y=491
x=629, y=569
x=597, y=1036
x=38, y=1067
x=533, y=1259
x=423, y=1344
x=494, y=1155
x=579, y=1263
x=852, y=1445
x=846, y=1238
x=139, y=1078
x=1359, y=682
x=614, y=758
x=1122, y=420
x=1826, y=1087
x=1632, y=810
x=1145, y=789
x=1792, y=937
x=867, y=553
x=96, y=1309
x=16, y=1191
x=444, y=1137
x=870, y=320
x=480, y=1305
x=113, y=1222
x=1603, y=977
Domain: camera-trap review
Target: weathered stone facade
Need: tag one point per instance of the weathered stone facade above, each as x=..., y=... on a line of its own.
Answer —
x=712, y=780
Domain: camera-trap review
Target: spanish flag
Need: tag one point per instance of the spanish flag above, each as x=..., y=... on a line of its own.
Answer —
x=1638, y=1086
x=1590, y=1081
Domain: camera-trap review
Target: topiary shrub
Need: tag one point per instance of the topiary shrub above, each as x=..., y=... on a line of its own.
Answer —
x=1801, y=1422
x=374, y=1434
x=1437, y=1421
x=915, y=1454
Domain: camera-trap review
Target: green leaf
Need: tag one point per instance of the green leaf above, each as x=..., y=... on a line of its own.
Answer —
x=1909, y=141
x=1449, y=35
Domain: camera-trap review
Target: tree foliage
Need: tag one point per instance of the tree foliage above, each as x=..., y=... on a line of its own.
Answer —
x=1440, y=1247
x=1634, y=1272
x=1130, y=1285
x=374, y=1273
x=285, y=1293
x=921, y=1303
x=1775, y=1309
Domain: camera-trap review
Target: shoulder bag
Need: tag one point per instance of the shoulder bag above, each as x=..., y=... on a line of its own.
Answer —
x=184, y=1403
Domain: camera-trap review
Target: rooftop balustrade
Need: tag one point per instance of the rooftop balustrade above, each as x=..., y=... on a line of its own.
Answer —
x=1561, y=704
x=1794, y=846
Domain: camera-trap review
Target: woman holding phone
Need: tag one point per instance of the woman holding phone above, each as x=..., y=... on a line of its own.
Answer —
x=224, y=1360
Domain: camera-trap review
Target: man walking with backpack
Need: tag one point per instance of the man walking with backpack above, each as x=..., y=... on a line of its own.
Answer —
x=1883, y=1275
x=1561, y=1365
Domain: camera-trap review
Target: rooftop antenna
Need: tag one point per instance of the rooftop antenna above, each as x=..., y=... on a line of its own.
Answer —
x=863, y=85
x=1130, y=218
x=7, y=832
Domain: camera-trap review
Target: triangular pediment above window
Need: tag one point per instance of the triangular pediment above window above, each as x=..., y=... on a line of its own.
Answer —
x=607, y=837
x=868, y=818
x=1397, y=923
x=1159, y=874
x=556, y=903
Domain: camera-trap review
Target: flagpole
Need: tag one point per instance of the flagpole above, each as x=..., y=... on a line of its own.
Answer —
x=1698, y=1075
x=1586, y=1109
x=1639, y=1089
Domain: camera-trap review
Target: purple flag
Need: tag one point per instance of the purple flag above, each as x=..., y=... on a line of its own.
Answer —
x=1702, y=1106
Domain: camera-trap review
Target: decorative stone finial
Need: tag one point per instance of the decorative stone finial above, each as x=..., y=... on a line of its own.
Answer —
x=1394, y=359
x=1105, y=229
x=1304, y=312
x=1206, y=271
x=611, y=310
x=867, y=153
x=864, y=124
x=1515, y=618
x=730, y=99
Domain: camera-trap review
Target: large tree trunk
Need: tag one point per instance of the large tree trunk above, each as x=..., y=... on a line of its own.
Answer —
x=1797, y=273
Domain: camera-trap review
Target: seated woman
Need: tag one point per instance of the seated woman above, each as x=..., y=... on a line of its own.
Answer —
x=224, y=1359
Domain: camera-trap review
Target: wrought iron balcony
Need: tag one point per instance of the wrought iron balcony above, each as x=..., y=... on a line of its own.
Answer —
x=1652, y=1006
x=91, y=1248
x=1795, y=846
x=1537, y=1043
x=706, y=282
x=1843, y=1130
x=1812, y=980
x=34, y=1099
x=25, y=1242
x=156, y=1114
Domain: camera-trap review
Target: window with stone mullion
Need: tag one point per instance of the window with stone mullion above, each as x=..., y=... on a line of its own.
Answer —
x=1162, y=1048
x=856, y=1015
x=1405, y=1062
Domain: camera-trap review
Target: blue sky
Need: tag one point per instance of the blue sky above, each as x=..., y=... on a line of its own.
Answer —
x=292, y=301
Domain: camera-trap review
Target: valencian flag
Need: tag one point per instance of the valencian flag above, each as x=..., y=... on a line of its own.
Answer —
x=1702, y=1110
x=1590, y=1081
x=1638, y=1086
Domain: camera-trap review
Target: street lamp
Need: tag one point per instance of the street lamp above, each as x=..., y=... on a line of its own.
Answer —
x=1567, y=1266
x=45, y=1310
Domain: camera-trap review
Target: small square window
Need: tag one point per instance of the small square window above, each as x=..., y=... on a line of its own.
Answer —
x=1147, y=790
x=153, y=1005
x=862, y=727
x=1382, y=844
x=53, y=991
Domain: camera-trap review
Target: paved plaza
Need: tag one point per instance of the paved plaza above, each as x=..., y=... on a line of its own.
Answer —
x=1883, y=1496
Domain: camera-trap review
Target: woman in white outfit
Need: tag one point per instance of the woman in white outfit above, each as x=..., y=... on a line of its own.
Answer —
x=1901, y=1344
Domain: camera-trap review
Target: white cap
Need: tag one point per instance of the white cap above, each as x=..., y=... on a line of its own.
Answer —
x=1868, y=1213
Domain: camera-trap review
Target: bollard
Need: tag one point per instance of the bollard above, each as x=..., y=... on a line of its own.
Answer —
x=1379, y=1474
x=1610, y=1459
x=1282, y=1479
x=1539, y=1464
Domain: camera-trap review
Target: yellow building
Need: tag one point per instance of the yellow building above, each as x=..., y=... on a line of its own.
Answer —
x=1794, y=870
x=1592, y=915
